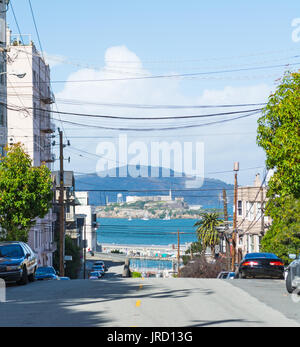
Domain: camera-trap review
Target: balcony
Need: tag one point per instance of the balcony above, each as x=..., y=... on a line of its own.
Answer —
x=48, y=99
x=50, y=247
x=70, y=217
x=48, y=128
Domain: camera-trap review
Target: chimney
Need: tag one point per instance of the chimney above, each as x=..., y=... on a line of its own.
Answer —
x=257, y=182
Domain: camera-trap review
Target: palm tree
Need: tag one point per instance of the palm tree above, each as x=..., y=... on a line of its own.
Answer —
x=207, y=231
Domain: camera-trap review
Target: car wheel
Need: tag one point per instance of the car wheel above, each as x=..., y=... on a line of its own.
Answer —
x=243, y=275
x=24, y=280
x=31, y=277
x=288, y=283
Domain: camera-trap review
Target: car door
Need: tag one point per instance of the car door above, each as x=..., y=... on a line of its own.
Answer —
x=31, y=260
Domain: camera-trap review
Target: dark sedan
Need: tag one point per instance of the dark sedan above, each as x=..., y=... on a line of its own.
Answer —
x=46, y=273
x=18, y=263
x=261, y=265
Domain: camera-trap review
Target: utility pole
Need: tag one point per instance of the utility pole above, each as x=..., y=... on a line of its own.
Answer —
x=234, y=234
x=226, y=227
x=62, y=208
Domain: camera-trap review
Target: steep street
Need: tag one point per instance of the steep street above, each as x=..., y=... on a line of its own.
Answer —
x=117, y=302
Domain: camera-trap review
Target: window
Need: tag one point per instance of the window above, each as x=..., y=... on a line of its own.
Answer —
x=2, y=116
x=250, y=210
x=240, y=208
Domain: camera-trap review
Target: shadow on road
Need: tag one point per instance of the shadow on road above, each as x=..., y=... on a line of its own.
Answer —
x=232, y=322
x=77, y=303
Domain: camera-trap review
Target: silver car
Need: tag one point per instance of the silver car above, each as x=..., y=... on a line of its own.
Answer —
x=293, y=275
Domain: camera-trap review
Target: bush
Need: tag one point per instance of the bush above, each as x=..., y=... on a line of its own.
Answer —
x=136, y=275
x=201, y=268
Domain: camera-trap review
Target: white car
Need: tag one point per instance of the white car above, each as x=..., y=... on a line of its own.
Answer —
x=293, y=275
x=95, y=275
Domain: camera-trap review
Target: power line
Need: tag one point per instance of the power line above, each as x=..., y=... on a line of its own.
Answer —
x=94, y=126
x=173, y=75
x=152, y=118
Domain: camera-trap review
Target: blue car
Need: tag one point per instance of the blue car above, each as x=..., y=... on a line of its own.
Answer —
x=46, y=273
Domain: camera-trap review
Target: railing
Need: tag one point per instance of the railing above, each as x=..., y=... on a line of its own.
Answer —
x=50, y=247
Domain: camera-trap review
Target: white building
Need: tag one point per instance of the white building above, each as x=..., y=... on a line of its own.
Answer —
x=86, y=220
x=30, y=123
x=251, y=221
x=3, y=77
x=156, y=198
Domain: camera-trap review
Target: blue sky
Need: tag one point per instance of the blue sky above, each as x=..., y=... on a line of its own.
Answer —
x=165, y=37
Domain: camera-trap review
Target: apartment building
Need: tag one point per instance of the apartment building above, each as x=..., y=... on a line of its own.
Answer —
x=251, y=222
x=29, y=123
x=3, y=76
x=86, y=220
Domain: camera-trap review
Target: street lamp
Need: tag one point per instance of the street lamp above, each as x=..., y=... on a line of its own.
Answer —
x=13, y=74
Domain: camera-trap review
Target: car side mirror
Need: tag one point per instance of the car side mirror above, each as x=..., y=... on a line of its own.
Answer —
x=27, y=255
x=292, y=256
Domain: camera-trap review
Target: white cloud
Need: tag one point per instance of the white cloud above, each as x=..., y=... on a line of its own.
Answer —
x=120, y=63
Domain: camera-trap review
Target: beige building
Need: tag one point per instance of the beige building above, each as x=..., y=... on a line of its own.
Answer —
x=29, y=123
x=251, y=222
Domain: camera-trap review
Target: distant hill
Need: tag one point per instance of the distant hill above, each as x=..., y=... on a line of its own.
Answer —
x=209, y=195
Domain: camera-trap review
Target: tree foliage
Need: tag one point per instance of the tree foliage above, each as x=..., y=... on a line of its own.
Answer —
x=207, y=231
x=25, y=194
x=283, y=238
x=71, y=249
x=279, y=136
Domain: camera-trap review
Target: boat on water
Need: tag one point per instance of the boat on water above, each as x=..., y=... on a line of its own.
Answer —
x=167, y=217
x=146, y=217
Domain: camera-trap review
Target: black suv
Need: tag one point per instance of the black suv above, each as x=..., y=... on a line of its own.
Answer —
x=18, y=263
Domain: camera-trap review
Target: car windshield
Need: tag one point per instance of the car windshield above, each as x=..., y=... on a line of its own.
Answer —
x=11, y=251
x=261, y=255
x=45, y=270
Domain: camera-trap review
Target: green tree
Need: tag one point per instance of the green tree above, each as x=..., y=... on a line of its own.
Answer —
x=207, y=231
x=71, y=249
x=283, y=238
x=279, y=136
x=25, y=194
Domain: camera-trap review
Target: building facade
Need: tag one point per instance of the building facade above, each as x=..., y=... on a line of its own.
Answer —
x=252, y=224
x=29, y=123
x=3, y=76
x=86, y=220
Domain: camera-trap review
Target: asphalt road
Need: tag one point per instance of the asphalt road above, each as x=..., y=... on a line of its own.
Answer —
x=117, y=302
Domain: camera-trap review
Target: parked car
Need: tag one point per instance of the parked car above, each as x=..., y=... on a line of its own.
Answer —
x=99, y=268
x=225, y=275
x=95, y=275
x=101, y=263
x=18, y=262
x=46, y=273
x=263, y=265
x=293, y=275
